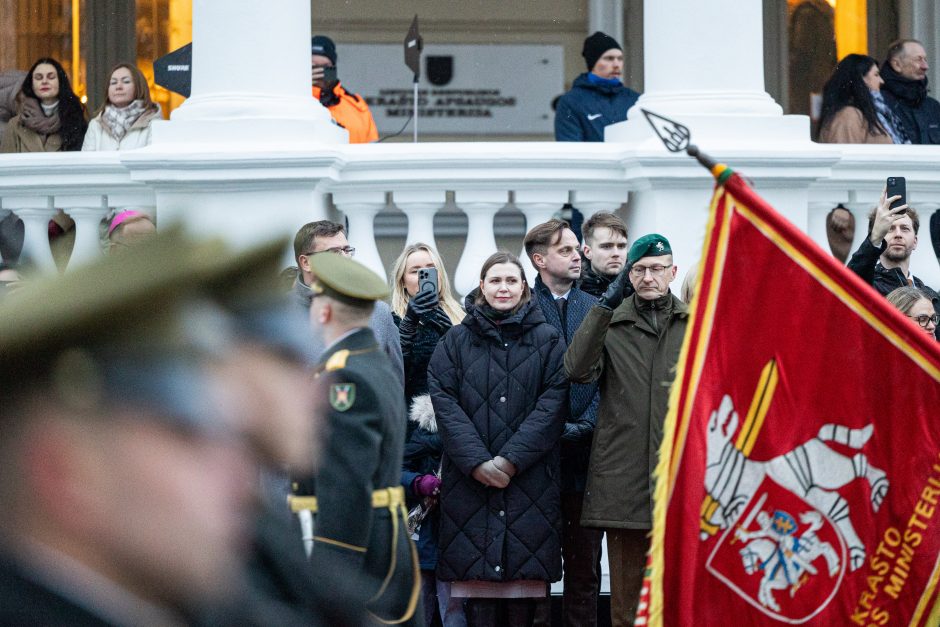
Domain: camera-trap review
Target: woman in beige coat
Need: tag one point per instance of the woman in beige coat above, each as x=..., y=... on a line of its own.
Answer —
x=123, y=121
x=854, y=111
x=50, y=116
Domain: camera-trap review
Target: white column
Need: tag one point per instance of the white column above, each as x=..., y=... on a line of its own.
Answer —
x=537, y=206
x=704, y=67
x=360, y=209
x=420, y=207
x=481, y=207
x=606, y=16
x=87, y=211
x=251, y=77
x=35, y=212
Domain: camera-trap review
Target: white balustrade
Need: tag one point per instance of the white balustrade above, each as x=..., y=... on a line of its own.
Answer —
x=35, y=212
x=420, y=206
x=360, y=209
x=87, y=211
x=230, y=194
x=481, y=207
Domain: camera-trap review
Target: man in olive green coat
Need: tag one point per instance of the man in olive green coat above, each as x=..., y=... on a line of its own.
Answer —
x=631, y=347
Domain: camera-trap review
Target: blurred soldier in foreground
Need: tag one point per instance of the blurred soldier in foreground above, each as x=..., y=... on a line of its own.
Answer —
x=282, y=410
x=125, y=486
x=353, y=509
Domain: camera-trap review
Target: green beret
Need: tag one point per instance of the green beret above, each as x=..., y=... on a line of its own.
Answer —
x=345, y=280
x=652, y=245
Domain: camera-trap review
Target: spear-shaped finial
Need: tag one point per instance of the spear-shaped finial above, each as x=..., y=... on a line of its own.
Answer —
x=676, y=137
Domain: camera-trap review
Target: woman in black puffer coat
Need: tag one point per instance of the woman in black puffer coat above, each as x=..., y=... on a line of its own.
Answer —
x=499, y=392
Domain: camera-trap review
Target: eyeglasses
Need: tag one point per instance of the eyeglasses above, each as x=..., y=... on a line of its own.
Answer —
x=640, y=271
x=923, y=319
x=349, y=251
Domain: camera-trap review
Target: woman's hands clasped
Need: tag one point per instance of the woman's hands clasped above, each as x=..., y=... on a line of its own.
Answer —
x=495, y=473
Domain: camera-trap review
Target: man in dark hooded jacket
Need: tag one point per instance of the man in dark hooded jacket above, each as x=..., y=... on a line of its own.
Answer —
x=905, y=90
x=597, y=97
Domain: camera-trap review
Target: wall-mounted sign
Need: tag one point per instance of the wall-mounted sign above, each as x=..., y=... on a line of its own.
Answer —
x=463, y=90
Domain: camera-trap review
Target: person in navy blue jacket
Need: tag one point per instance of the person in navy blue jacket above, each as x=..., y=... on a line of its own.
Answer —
x=553, y=250
x=597, y=97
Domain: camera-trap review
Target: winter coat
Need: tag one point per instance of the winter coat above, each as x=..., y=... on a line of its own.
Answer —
x=10, y=83
x=596, y=284
x=584, y=111
x=423, y=457
x=635, y=366
x=582, y=399
x=500, y=390
x=416, y=359
x=19, y=138
x=351, y=112
x=848, y=126
x=137, y=136
x=919, y=112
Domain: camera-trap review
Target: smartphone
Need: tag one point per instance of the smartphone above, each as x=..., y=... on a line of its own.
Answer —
x=329, y=75
x=897, y=186
x=427, y=280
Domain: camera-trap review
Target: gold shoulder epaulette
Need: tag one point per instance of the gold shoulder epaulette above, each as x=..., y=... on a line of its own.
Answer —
x=337, y=360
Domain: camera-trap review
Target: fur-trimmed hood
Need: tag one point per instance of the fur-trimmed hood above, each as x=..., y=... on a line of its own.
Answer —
x=421, y=412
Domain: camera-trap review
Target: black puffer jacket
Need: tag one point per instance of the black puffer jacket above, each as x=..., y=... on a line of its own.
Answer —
x=500, y=389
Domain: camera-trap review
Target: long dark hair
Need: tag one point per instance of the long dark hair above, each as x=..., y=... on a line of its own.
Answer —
x=846, y=88
x=71, y=110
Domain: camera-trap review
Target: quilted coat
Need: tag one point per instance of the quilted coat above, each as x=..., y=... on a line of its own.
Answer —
x=500, y=389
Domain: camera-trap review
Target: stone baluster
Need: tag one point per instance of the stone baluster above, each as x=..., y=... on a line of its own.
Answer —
x=420, y=207
x=87, y=211
x=481, y=207
x=537, y=206
x=360, y=209
x=35, y=212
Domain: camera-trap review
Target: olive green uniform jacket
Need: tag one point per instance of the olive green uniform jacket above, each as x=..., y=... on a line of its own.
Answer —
x=635, y=366
x=362, y=454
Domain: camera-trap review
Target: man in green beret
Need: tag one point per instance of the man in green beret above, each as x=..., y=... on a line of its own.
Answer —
x=630, y=346
x=124, y=485
x=353, y=508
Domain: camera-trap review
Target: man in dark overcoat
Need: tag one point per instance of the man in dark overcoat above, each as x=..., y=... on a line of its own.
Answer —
x=554, y=252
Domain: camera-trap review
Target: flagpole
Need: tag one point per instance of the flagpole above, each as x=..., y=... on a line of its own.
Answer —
x=415, y=112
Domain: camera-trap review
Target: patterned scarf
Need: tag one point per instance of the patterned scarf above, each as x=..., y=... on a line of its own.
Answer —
x=33, y=118
x=889, y=120
x=117, y=121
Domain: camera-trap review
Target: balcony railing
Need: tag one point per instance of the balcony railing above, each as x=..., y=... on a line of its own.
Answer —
x=661, y=192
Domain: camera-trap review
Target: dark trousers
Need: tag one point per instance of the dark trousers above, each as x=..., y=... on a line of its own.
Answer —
x=581, y=553
x=504, y=612
x=626, y=553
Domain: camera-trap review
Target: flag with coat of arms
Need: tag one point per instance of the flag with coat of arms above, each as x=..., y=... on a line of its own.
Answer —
x=799, y=477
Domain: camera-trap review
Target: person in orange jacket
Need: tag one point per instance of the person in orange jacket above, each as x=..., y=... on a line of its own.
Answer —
x=349, y=110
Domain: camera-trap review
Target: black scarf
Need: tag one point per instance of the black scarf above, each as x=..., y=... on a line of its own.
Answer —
x=908, y=91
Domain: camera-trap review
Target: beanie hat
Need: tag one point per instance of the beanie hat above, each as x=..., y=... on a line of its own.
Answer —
x=323, y=45
x=595, y=46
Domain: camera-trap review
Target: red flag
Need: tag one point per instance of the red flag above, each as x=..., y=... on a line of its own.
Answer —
x=799, y=477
